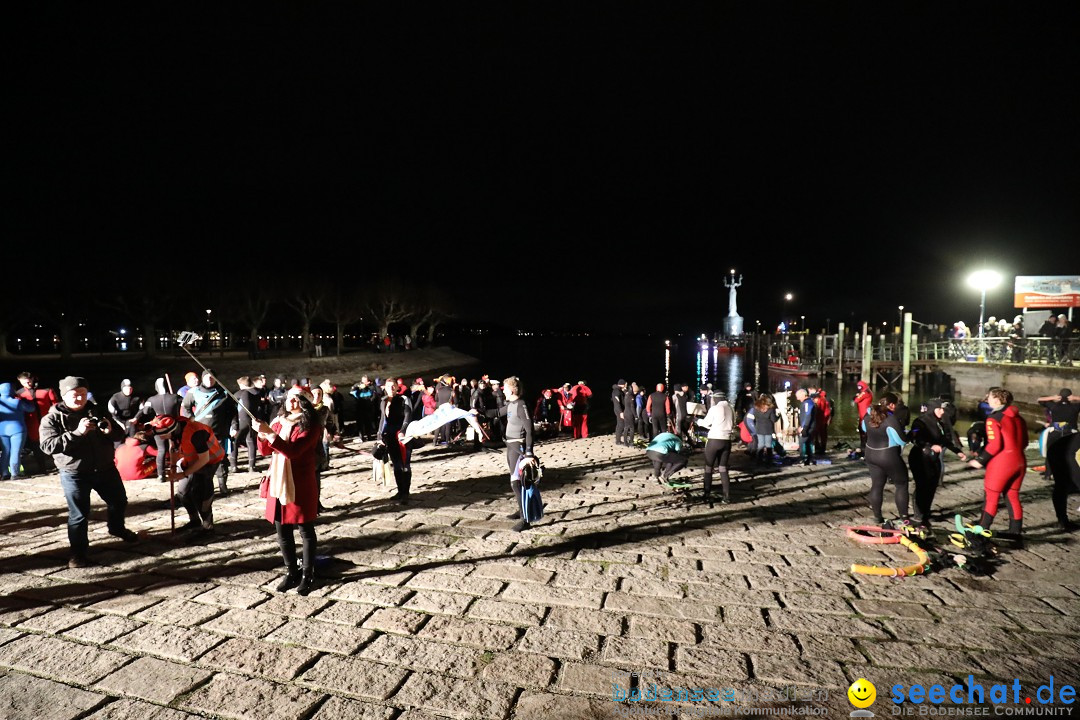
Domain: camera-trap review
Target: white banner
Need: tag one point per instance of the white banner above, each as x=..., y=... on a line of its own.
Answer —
x=443, y=414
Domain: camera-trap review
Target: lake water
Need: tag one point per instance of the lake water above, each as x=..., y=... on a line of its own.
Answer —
x=547, y=362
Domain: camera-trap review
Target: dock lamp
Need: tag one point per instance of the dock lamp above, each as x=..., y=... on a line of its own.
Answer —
x=983, y=280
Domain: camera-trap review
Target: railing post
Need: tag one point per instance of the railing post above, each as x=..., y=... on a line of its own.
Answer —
x=867, y=355
x=840, y=351
x=905, y=378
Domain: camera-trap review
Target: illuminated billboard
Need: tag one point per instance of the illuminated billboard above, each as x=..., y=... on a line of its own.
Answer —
x=1047, y=291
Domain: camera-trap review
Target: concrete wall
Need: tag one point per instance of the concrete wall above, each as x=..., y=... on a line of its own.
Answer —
x=1025, y=382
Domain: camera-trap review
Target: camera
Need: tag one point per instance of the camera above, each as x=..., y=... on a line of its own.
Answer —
x=102, y=424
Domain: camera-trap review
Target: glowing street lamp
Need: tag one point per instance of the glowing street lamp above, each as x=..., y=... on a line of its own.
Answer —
x=983, y=280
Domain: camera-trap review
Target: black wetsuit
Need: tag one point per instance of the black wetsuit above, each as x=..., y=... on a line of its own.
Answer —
x=444, y=394
x=927, y=466
x=629, y=409
x=658, y=405
x=885, y=462
x=617, y=407
x=392, y=421
x=1062, y=459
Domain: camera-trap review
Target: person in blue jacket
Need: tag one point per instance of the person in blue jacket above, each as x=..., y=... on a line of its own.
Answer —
x=13, y=412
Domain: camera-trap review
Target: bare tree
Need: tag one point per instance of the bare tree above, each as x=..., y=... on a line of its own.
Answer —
x=145, y=311
x=389, y=303
x=345, y=306
x=307, y=300
x=64, y=310
x=252, y=310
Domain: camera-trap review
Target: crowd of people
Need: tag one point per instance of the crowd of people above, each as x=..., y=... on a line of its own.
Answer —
x=193, y=435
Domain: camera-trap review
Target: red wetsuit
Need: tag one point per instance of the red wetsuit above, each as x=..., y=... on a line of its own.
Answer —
x=863, y=400
x=1003, y=458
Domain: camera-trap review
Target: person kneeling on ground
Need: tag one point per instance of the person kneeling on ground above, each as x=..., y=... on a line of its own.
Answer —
x=196, y=455
x=665, y=452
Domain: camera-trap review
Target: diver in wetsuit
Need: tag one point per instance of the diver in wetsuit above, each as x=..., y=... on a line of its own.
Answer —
x=1003, y=458
x=931, y=439
x=884, y=442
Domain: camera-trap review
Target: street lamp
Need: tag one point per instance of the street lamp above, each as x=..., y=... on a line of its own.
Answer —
x=787, y=299
x=208, y=329
x=802, y=323
x=983, y=280
x=901, y=323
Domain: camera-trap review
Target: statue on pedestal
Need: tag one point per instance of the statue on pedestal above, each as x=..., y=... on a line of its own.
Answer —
x=733, y=323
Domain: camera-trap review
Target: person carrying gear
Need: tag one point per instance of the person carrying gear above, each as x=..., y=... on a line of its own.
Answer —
x=196, y=455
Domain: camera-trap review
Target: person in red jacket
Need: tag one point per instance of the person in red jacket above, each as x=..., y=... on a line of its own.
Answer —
x=822, y=418
x=136, y=459
x=1003, y=458
x=864, y=398
x=292, y=498
x=44, y=398
x=579, y=408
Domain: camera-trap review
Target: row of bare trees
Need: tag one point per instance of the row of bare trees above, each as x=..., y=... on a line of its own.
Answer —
x=250, y=306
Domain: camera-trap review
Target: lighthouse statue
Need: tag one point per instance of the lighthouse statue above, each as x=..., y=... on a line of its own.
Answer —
x=733, y=323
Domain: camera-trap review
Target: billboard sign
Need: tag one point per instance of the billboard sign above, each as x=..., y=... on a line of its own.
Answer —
x=1047, y=291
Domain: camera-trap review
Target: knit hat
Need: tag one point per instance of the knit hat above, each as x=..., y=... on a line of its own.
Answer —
x=70, y=383
x=125, y=383
x=1065, y=393
x=163, y=424
x=207, y=371
x=935, y=404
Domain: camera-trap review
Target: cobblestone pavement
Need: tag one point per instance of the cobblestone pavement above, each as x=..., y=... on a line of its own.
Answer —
x=439, y=609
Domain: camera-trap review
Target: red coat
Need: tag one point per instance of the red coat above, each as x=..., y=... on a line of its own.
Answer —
x=302, y=449
x=135, y=461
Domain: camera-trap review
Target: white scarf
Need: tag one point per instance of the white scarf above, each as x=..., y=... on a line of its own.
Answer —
x=281, y=478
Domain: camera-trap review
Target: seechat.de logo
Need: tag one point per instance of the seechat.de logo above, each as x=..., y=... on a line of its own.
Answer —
x=862, y=695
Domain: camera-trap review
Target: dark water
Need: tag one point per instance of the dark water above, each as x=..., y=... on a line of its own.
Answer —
x=546, y=362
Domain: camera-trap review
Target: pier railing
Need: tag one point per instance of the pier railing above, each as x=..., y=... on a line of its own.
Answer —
x=1034, y=350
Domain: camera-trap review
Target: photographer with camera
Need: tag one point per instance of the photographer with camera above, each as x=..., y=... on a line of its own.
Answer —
x=80, y=439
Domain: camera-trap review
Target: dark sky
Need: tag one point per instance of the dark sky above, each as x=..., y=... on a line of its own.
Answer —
x=594, y=169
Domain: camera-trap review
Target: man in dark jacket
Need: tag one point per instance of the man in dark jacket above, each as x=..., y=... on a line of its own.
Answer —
x=617, y=392
x=163, y=404
x=211, y=405
x=629, y=411
x=444, y=393
x=80, y=438
x=124, y=407
x=242, y=431
x=658, y=408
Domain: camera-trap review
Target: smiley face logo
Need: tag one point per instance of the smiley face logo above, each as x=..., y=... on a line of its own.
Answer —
x=862, y=693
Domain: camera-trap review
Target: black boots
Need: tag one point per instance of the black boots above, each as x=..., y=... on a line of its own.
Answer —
x=291, y=579
x=307, y=581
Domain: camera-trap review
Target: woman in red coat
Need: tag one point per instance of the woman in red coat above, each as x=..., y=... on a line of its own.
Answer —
x=293, y=498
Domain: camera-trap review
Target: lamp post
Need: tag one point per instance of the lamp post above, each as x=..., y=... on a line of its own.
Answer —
x=983, y=280
x=787, y=299
x=900, y=324
x=207, y=329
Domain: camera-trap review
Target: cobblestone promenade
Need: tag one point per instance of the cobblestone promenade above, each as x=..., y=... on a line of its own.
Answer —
x=437, y=609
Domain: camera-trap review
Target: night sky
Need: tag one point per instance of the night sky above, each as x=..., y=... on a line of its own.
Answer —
x=553, y=166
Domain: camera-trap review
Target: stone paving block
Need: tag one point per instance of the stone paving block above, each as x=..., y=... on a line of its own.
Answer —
x=354, y=677
x=179, y=588
x=317, y=635
x=543, y=706
x=337, y=708
x=887, y=608
x=259, y=657
x=651, y=588
x=552, y=596
x=728, y=596
x=56, y=621
x=126, y=709
x=588, y=679
x=919, y=657
x=806, y=602
x=7, y=634
x=103, y=630
x=588, y=576
x=1040, y=622
x=786, y=671
x=124, y=605
x=711, y=661
x=518, y=669
x=968, y=633
x=233, y=597
x=887, y=677
x=294, y=605
x=442, y=582
x=178, y=612
x=817, y=624
x=25, y=696
x=636, y=653
x=60, y=659
x=171, y=643
x=995, y=601
x=507, y=572
x=396, y=650
x=1051, y=645
x=737, y=615
x=13, y=611
x=151, y=679
x=655, y=607
x=387, y=597
x=439, y=603
x=829, y=647
x=749, y=639
x=396, y=620
x=245, y=623
x=560, y=643
x=243, y=698
x=346, y=613
x=737, y=568
x=456, y=698
x=474, y=633
x=677, y=631
x=598, y=621
x=511, y=613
